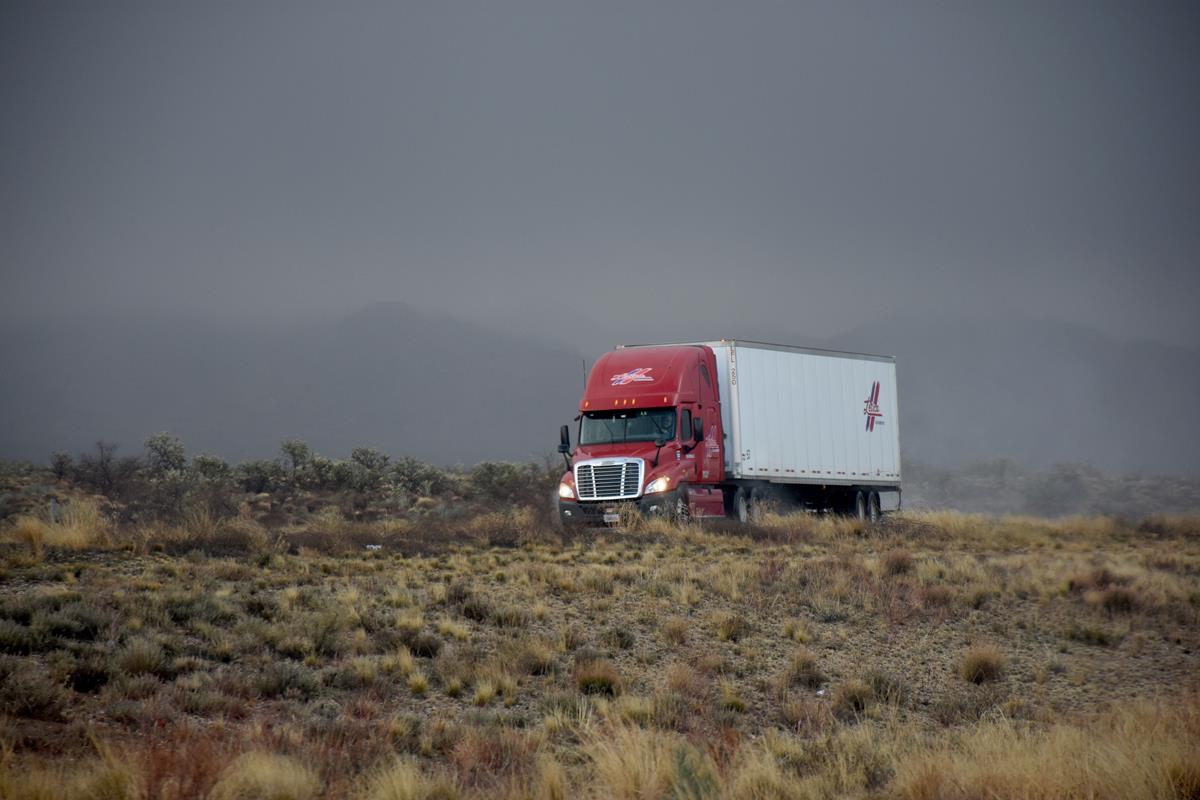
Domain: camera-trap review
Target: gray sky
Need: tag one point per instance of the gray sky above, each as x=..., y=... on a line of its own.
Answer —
x=820, y=164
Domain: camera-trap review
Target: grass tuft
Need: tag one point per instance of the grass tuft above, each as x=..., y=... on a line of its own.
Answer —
x=266, y=776
x=851, y=699
x=597, y=676
x=731, y=627
x=802, y=670
x=982, y=663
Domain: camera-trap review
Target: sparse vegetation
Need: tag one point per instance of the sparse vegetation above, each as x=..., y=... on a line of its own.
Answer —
x=266, y=776
x=597, y=677
x=982, y=663
x=851, y=698
x=802, y=671
x=730, y=626
x=350, y=653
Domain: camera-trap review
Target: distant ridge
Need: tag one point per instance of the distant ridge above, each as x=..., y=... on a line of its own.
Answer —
x=439, y=388
x=391, y=377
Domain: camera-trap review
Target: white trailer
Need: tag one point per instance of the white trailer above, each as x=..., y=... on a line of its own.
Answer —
x=807, y=417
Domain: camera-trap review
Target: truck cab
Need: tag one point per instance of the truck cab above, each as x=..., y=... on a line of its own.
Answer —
x=649, y=433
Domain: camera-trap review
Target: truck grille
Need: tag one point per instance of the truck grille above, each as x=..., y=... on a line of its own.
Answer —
x=609, y=479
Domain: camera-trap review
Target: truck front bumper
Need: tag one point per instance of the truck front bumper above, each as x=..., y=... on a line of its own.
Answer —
x=601, y=513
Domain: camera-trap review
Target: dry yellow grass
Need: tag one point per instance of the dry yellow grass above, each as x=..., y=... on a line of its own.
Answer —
x=1142, y=751
x=403, y=779
x=266, y=776
x=29, y=531
x=660, y=663
x=982, y=663
x=102, y=778
x=80, y=525
x=631, y=763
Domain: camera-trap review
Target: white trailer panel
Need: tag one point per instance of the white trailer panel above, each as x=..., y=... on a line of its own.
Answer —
x=795, y=415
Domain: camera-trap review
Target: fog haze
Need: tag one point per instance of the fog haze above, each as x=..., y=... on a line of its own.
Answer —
x=218, y=200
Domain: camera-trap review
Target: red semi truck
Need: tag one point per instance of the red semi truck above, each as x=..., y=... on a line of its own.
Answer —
x=728, y=428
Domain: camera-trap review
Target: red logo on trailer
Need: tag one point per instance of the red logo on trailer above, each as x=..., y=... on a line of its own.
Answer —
x=871, y=407
x=639, y=375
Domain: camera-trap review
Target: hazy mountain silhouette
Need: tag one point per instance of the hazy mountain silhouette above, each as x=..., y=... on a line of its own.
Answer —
x=389, y=377
x=435, y=387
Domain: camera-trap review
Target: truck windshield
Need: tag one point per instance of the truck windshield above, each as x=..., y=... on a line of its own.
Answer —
x=627, y=425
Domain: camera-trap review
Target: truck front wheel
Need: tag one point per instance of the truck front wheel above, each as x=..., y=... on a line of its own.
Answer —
x=680, y=510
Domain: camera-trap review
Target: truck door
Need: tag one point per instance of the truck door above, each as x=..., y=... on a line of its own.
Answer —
x=708, y=452
x=690, y=456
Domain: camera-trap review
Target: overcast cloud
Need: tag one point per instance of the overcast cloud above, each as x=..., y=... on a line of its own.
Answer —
x=351, y=222
x=826, y=164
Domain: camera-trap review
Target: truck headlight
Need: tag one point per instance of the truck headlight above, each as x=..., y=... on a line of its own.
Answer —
x=658, y=485
x=565, y=491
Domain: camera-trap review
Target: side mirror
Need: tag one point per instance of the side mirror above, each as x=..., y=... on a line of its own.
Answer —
x=697, y=429
x=564, y=440
x=660, y=440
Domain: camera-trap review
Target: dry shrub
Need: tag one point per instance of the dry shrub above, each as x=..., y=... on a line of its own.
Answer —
x=758, y=776
x=453, y=630
x=536, y=657
x=486, y=755
x=1114, y=599
x=102, y=778
x=945, y=524
x=632, y=763
x=1138, y=752
x=597, y=676
x=886, y=687
x=186, y=765
x=265, y=776
x=936, y=596
x=802, y=670
x=239, y=535
x=32, y=694
x=686, y=680
x=803, y=527
x=731, y=698
x=80, y=526
x=731, y=627
x=1171, y=526
x=551, y=782
x=799, y=630
x=959, y=704
x=202, y=531
x=510, y=616
x=29, y=531
x=851, y=699
x=1092, y=635
x=510, y=527
x=674, y=630
x=804, y=714
x=141, y=657
x=404, y=780
x=982, y=663
x=1094, y=580
x=897, y=562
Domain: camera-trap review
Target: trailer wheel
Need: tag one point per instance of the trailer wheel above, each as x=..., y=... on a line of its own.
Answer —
x=763, y=501
x=873, y=512
x=860, y=505
x=741, y=505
